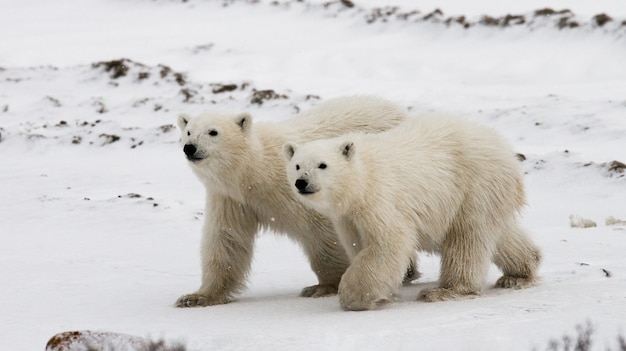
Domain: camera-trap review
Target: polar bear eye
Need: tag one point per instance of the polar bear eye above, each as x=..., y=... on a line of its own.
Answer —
x=297, y=167
x=322, y=166
x=213, y=132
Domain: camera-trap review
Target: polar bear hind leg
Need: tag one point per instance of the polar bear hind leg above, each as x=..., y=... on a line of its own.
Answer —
x=517, y=257
x=465, y=255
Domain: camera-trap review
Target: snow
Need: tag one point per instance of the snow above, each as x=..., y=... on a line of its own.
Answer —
x=101, y=233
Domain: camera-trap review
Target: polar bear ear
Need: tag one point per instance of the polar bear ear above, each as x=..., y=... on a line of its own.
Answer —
x=289, y=149
x=347, y=149
x=183, y=119
x=244, y=120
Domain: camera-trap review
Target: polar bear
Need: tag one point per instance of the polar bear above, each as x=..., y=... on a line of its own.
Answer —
x=435, y=183
x=243, y=170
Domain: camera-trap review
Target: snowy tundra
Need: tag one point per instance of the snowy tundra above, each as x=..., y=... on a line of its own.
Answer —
x=101, y=219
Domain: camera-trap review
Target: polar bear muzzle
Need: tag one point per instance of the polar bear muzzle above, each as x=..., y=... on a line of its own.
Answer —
x=190, y=152
x=304, y=187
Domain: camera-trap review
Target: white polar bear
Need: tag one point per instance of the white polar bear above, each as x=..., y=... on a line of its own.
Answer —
x=243, y=170
x=434, y=183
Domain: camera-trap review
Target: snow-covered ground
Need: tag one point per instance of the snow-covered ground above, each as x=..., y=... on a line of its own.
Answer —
x=100, y=216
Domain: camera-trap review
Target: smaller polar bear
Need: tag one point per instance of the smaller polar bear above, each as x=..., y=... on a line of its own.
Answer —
x=434, y=183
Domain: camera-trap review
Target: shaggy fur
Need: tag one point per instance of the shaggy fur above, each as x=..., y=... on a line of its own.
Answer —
x=435, y=183
x=242, y=169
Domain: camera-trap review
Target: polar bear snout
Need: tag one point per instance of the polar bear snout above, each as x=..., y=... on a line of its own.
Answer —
x=301, y=185
x=190, y=152
x=304, y=187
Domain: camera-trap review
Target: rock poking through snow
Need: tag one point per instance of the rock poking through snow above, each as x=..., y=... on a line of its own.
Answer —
x=577, y=221
x=614, y=221
x=87, y=340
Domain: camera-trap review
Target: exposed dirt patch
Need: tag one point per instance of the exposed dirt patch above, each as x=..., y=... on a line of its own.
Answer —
x=188, y=94
x=601, y=19
x=461, y=20
x=380, y=14
x=116, y=68
x=166, y=128
x=130, y=196
x=617, y=167
x=567, y=22
x=62, y=342
x=513, y=20
x=260, y=96
x=143, y=75
x=550, y=12
x=223, y=88
x=347, y=3
x=109, y=138
x=100, y=107
x=178, y=77
x=433, y=15
x=55, y=102
x=124, y=67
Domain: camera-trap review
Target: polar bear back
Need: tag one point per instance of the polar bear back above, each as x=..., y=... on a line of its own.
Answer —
x=363, y=113
x=438, y=149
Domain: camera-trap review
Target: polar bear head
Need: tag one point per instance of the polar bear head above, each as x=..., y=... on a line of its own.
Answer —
x=320, y=171
x=213, y=137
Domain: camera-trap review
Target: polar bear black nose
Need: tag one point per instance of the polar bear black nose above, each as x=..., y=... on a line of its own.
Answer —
x=301, y=184
x=189, y=150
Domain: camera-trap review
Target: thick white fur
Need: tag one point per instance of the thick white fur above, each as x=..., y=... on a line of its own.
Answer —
x=243, y=170
x=435, y=183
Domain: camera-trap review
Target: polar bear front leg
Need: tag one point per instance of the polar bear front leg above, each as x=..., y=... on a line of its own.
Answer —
x=378, y=270
x=327, y=257
x=351, y=241
x=227, y=247
x=372, y=279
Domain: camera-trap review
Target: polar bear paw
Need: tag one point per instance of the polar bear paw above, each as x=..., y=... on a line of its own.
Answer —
x=199, y=300
x=359, y=298
x=443, y=294
x=509, y=282
x=320, y=290
x=361, y=303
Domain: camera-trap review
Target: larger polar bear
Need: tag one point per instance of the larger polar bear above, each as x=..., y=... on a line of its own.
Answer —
x=243, y=170
x=435, y=183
